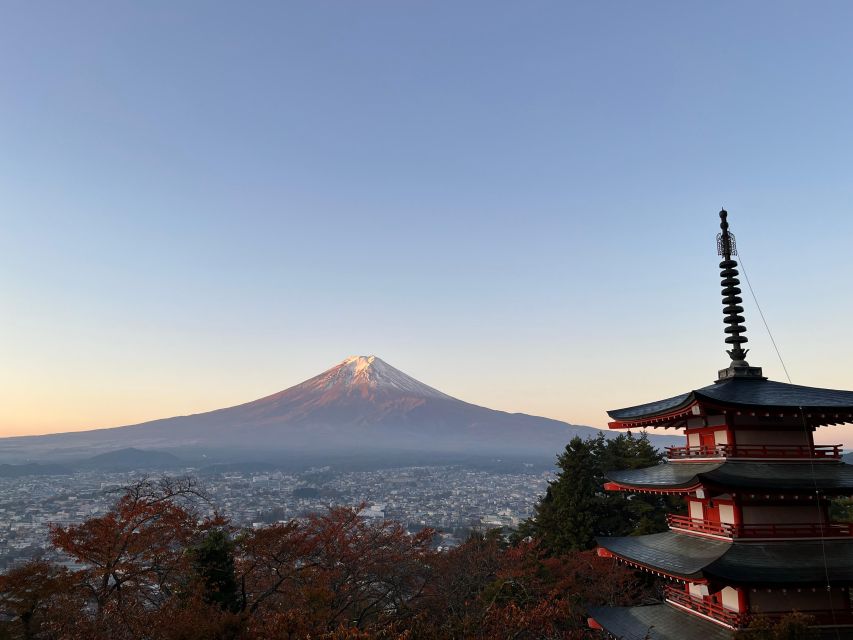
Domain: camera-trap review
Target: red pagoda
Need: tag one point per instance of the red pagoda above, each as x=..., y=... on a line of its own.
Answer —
x=757, y=538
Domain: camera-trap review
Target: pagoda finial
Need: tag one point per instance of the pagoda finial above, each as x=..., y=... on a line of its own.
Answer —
x=735, y=329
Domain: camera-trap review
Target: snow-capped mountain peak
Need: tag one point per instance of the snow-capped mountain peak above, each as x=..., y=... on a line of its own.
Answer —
x=362, y=404
x=375, y=374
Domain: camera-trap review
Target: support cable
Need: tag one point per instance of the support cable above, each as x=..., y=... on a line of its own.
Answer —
x=806, y=432
x=763, y=319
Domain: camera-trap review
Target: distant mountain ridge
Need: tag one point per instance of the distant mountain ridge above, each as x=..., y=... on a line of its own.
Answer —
x=120, y=460
x=362, y=404
x=131, y=458
x=33, y=469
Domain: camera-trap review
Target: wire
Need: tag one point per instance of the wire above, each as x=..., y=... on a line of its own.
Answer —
x=806, y=432
x=763, y=319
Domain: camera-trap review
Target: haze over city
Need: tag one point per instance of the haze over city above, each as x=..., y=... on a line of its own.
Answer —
x=203, y=206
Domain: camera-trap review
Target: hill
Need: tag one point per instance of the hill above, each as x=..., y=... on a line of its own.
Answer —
x=131, y=458
x=33, y=469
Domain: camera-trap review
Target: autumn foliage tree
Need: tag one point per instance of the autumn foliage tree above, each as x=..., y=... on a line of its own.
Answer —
x=33, y=598
x=334, y=571
x=485, y=589
x=155, y=567
x=134, y=558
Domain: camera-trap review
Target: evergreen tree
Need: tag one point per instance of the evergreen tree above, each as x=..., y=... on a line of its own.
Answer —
x=576, y=508
x=565, y=518
x=213, y=562
x=624, y=513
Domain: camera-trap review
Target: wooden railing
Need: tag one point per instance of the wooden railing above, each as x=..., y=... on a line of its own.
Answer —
x=778, y=451
x=700, y=526
x=713, y=610
x=776, y=530
x=824, y=617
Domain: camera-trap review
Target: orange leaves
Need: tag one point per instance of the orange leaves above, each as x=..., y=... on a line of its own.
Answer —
x=339, y=570
x=32, y=596
x=133, y=557
x=483, y=589
x=153, y=569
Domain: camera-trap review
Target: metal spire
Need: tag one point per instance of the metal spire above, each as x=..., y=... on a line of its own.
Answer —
x=735, y=329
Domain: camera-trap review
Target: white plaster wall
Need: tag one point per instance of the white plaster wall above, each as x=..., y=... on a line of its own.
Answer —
x=697, y=590
x=721, y=437
x=729, y=598
x=727, y=514
x=696, y=510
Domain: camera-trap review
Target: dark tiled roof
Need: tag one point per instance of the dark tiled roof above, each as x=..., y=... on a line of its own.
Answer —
x=747, y=392
x=652, y=408
x=768, y=393
x=826, y=476
x=659, y=621
x=669, y=476
x=784, y=562
x=669, y=552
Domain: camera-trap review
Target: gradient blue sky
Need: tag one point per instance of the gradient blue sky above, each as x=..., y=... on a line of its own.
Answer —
x=515, y=202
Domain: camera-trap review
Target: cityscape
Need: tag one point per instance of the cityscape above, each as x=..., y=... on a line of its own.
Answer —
x=453, y=500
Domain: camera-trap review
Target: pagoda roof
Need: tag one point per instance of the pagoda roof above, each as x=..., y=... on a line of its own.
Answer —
x=672, y=553
x=832, y=406
x=786, y=562
x=659, y=621
x=833, y=478
x=696, y=558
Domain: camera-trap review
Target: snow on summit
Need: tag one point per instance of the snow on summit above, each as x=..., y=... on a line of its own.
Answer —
x=375, y=374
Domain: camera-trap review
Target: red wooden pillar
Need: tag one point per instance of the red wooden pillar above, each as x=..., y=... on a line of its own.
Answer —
x=737, y=510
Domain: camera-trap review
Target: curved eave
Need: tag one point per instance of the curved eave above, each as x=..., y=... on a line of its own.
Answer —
x=700, y=560
x=616, y=486
x=757, y=397
x=661, y=478
x=695, y=578
x=670, y=417
x=656, y=622
x=834, y=478
x=670, y=554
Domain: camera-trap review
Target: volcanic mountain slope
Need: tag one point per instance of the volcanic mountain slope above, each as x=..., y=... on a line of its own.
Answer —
x=362, y=404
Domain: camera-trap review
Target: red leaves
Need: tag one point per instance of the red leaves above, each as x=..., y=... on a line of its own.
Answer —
x=482, y=590
x=33, y=596
x=336, y=569
x=335, y=575
x=134, y=558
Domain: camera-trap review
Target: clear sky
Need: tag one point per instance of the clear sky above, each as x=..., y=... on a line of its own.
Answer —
x=516, y=202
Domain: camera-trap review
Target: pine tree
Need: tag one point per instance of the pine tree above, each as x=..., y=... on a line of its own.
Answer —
x=565, y=518
x=213, y=562
x=576, y=508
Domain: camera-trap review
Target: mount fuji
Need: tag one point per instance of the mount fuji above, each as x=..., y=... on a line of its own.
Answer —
x=362, y=404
